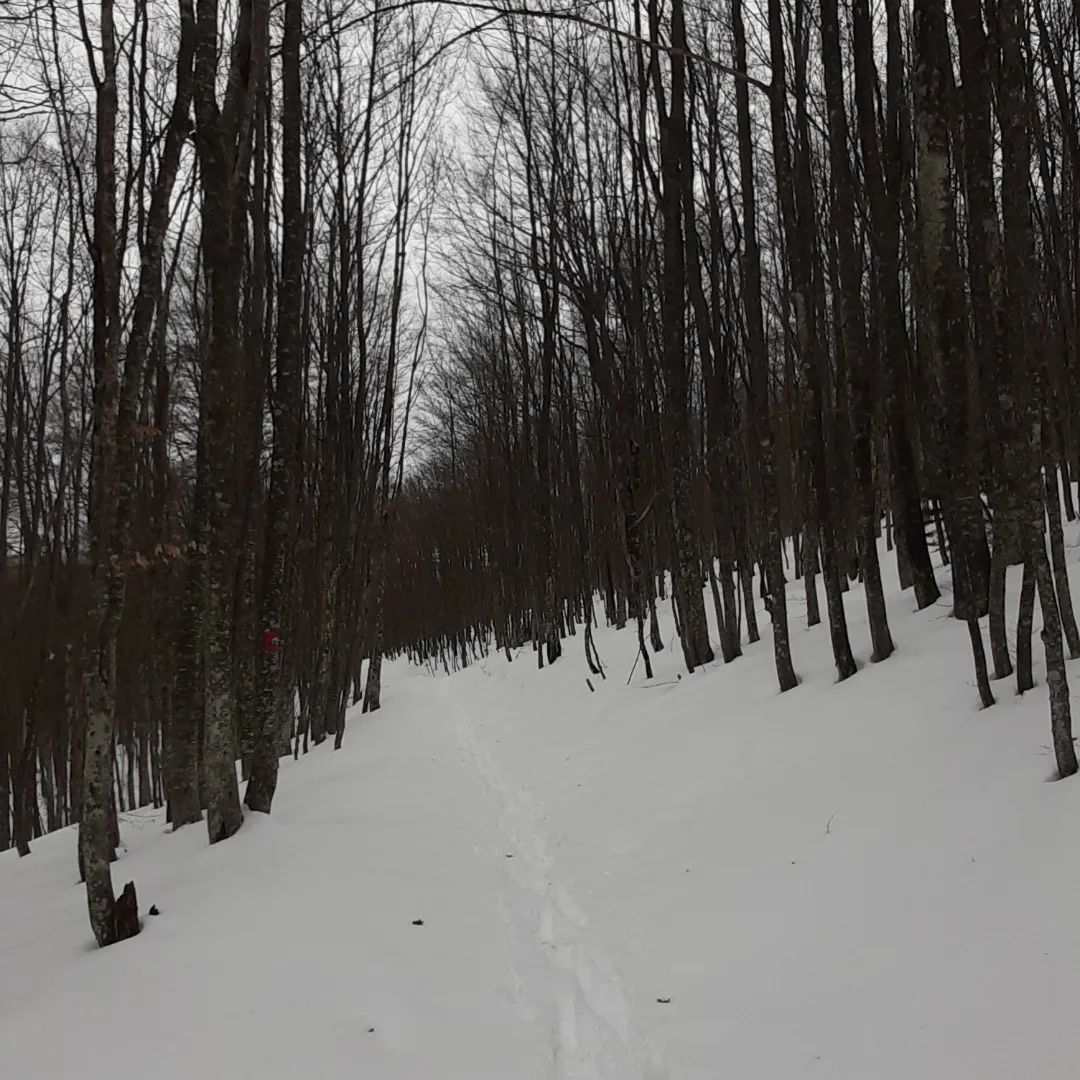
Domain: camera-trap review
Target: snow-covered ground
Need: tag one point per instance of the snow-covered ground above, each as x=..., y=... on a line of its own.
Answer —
x=683, y=879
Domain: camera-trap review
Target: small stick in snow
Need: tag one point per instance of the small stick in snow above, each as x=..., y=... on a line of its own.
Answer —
x=828, y=824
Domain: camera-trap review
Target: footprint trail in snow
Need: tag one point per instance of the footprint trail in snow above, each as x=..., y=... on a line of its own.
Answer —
x=554, y=964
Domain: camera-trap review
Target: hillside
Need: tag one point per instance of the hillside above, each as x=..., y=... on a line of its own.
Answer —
x=687, y=878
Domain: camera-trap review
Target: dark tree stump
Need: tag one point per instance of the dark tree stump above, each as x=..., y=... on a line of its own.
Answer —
x=126, y=914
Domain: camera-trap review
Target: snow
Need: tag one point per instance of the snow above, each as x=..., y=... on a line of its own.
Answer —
x=681, y=879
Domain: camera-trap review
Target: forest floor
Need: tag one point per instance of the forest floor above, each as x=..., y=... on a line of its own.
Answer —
x=680, y=879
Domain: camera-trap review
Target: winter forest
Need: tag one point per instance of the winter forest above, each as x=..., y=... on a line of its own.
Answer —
x=345, y=343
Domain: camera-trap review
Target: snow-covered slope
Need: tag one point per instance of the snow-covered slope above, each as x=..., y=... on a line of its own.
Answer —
x=683, y=879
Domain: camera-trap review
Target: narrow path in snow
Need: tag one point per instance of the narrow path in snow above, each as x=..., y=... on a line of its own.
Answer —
x=556, y=967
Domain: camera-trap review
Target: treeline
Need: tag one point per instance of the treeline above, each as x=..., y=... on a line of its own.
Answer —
x=739, y=286
x=212, y=312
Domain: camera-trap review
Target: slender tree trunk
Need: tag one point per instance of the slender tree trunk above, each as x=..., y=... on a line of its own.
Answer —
x=999, y=643
x=944, y=320
x=1060, y=709
x=223, y=140
x=1020, y=404
x=795, y=186
x=1024, y=678
x=686, y=571
x=982, y=680
x=285, y=410
x=853, y=331
x=913, y=555
x=771, y=562
x=1061, y=568
x=747, y=582
x=810, y=567
x=5, y=796
x=373, y=686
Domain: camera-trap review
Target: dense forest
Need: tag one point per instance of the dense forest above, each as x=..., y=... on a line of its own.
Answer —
x=332, y=330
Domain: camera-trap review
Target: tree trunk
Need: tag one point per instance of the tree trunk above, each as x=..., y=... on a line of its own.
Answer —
x=1024, y=678
x=982, y=680
x=771, y=561
x=853, y=332
x=810, y=567
x=944, y=319
x=286, y=404
x=1061, y=568
x=1057, y=682
x=999, y=643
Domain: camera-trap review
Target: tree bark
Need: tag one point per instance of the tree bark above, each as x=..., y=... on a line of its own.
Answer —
x=771, y=562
